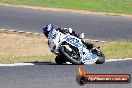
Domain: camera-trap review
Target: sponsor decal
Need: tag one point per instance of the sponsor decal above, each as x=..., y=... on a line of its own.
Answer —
x=88, y=56
x=73, y=41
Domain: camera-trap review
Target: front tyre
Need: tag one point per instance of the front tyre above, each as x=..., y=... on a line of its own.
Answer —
x=71, y=56
x=101, y=58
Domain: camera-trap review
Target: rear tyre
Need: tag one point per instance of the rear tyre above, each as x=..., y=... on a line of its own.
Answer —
x=68, y=55
x=101, y=58
x=58, y=60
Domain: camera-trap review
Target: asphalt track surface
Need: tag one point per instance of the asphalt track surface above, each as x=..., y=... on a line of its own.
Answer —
x=50, y=75
x=108, y=28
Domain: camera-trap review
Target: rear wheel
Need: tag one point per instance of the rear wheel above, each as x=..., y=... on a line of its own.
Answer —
x=101, y=58
x=72, y=56
x=59, y=60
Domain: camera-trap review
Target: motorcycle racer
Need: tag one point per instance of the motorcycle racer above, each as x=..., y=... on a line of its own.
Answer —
x=69, y=46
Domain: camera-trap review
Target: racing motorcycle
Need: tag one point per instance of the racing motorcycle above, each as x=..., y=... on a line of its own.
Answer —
x=69, y=48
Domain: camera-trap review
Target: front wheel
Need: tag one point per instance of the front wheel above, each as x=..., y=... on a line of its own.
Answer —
x=72, y=56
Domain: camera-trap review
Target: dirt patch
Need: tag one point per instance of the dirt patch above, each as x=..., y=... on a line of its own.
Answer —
x=21, y=44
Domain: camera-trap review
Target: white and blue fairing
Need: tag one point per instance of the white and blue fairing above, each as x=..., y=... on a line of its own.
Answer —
x=85, y=55
x=56, y=38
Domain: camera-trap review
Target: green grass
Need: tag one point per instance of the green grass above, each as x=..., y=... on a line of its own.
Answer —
x=21, y=59
x=115, y=6
x=34, y=48
x=118, y=50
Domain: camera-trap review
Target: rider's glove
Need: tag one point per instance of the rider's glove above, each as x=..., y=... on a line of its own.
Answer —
x=81, y=36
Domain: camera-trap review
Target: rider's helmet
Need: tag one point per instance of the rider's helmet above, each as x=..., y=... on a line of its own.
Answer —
x=47, y=29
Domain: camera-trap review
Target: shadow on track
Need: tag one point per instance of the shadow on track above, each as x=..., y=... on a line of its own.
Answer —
x=46, y=63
